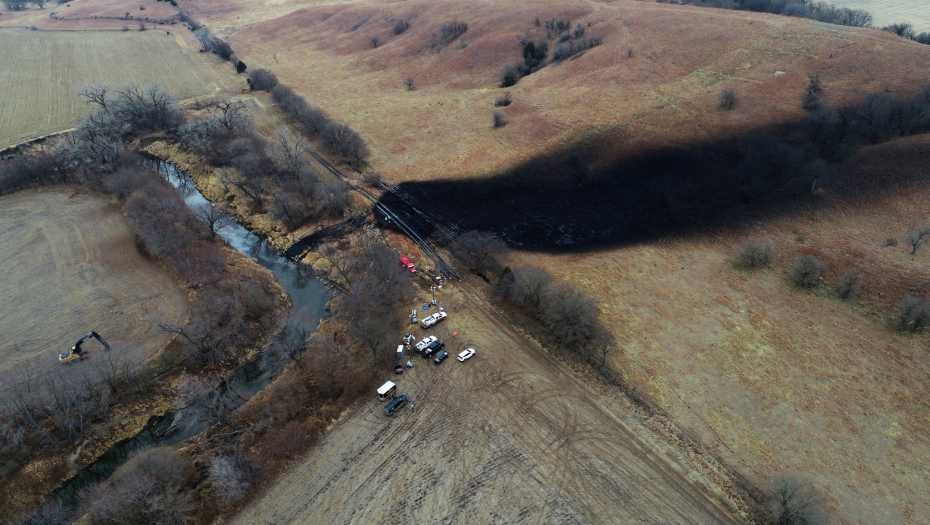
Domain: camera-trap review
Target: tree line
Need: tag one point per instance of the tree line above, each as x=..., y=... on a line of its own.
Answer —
x=812, y=9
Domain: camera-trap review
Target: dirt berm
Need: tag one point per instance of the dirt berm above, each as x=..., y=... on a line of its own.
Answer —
x=509, y=436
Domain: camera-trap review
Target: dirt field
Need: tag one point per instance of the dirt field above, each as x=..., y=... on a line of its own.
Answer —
x=70, y=265
x=885, y=12
x=44, y=69
x=506, y=437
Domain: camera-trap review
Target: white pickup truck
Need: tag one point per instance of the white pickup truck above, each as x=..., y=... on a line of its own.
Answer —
x=433, y=319
x=425, y=342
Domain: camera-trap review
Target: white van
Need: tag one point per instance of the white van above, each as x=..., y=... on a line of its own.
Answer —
x=386, y=390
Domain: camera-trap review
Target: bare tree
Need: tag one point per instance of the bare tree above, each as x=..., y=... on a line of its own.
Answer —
x=526, y=287
x=212, y=218
x=315, y=120
x=569, y=314
x=806, y=270
x=480, y=249
x=290, y=151
x=795, y=502
x=231, y=114
x=728, y=98
x=95, y=94
x=410, y=83
x=499, y=119
x=917, y=238
x=754, y=254
x=914, y=314
x=401, y=26
x=205, y=399
x=850, y=283
x=200, y=136
x=54, y=512
x=252, y=187
x=503, y=100
x=813, y=100
x=374, y=41
x=231, y=473
x=149, y=488
x=262, y=80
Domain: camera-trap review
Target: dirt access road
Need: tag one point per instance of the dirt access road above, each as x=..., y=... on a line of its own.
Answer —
x=70, y=265
x=508, y=437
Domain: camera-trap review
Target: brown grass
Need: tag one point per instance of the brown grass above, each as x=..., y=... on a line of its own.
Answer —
x=667, y=94
x=771, y=377
x=789, y=379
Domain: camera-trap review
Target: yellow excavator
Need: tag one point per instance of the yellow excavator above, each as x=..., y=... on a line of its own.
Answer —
x=76, y=353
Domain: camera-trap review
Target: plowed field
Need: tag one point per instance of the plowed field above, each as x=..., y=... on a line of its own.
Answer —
x=70, y=265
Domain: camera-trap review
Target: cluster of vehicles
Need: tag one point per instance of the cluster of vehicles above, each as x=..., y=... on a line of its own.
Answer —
x=430, y=346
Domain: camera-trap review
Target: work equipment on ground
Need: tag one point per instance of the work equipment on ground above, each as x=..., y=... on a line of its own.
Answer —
x=76, y=352
x=386, y=390
x=405, y=262
x=395, y=405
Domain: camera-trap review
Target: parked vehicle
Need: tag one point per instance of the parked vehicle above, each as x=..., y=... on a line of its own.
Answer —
x=398, y=368
x=441, y=356
x=433, y=319
x=466, y=355
x=425, y=342
x=408, y=265
x=435, y=346
x=386, y=390
x=395, y=405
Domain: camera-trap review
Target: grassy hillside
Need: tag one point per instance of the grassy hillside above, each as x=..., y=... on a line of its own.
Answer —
x=774, y=377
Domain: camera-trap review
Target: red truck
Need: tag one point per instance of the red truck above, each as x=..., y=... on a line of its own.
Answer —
x=408, y=265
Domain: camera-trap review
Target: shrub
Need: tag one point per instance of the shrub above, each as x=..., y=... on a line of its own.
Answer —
x=913, y=314
x=728, y=98
x=754, y=254
x=401, y=26
x=240, y=66
x=901, y=29
x=806, y=271
x=850, y=283
x=794, y=502
x=262, y=80
x=221, y=48
x=569, y=314
x=813, y=100
x=452, y=30
x=499, y=119
x=503, y=100
x=511, y=76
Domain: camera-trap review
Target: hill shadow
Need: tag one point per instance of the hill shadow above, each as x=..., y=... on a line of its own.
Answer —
x=556, y=204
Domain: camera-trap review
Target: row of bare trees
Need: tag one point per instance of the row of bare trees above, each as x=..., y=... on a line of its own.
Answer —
x=56, y=407
x=274, y=176
x=338, y=138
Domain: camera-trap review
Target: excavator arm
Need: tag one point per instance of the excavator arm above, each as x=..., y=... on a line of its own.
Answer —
x=75, y=352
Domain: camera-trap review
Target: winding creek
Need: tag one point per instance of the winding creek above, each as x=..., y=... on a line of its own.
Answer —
x=308, y=298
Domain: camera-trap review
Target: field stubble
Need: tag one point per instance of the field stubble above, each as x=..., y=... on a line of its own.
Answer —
x=42, y=70
x=71, y=266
